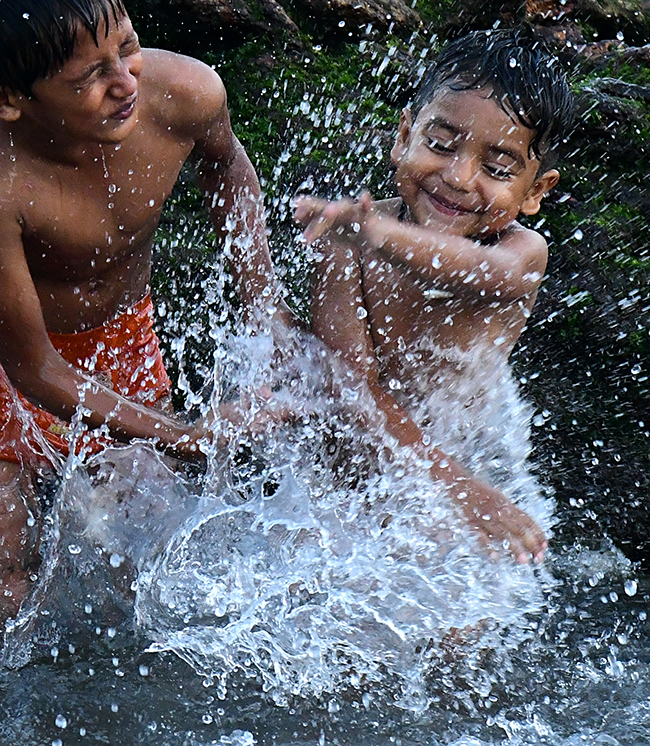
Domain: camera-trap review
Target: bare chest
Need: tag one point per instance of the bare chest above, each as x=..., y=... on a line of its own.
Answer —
x=81, y=221
x=407, y=314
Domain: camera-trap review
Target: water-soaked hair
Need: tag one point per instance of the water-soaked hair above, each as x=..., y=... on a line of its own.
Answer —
x=38, y=36
x=525, y=78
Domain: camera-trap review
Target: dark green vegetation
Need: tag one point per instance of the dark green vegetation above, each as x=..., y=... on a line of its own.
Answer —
x=318, y=113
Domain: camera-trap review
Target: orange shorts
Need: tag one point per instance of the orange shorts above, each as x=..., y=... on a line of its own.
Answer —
x=123, y=353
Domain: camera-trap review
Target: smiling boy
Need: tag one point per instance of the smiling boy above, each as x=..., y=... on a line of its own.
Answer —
x=412, y=290
x=93, y=133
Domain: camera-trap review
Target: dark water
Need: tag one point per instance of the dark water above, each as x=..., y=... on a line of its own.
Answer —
x=583, y=679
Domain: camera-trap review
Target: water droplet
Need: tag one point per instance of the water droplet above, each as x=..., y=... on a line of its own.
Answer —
x=578, y=235
x=207, y=718
x=512, y=62
x=394, y=384
x=74, y=549
x=631, y=587
x=620, y=36
x=61, y=722
x=116, y=560
x=333, y=706
x=361, y=312
x=143, y=670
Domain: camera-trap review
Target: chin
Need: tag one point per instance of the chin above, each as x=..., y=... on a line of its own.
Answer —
x=116, y=135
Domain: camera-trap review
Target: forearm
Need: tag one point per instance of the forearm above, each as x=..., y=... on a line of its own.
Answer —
x=61, y=389
x=461, y=265
x=400, y=425
x=237, y=212
x=485, y=508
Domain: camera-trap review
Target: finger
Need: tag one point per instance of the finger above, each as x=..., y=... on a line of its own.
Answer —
x=365, y=202
x=323, y=223
x=533, y=539
x=518, y=550
x=486, y=542
x=264, y=392
x=307, y=208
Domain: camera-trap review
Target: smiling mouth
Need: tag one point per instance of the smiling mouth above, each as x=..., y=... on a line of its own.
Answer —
x=447, y=207
x=124, y=112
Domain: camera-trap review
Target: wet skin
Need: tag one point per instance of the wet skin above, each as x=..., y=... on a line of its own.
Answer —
x=86, y=163
x=463, y=168
x=464, y=172
x=97, y=150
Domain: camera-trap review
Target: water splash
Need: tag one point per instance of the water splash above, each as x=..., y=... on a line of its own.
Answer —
x=312, y=559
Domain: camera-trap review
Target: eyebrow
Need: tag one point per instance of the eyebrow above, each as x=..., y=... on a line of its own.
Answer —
x=88, y=71
x=517, y=157
x=443, y=124
x=455, y=131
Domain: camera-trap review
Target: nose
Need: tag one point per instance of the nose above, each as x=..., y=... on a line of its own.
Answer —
x=125, y=78
x=460, y=172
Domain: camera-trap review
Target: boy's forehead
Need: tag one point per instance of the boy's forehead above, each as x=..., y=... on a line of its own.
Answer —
x=87, y=45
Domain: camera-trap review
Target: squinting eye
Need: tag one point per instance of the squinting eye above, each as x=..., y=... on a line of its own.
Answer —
x=441, y=147
x=499, y=172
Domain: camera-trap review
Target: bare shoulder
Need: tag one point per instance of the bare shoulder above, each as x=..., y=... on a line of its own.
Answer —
x=12, y=182
x=529, y=244
x=182, y=92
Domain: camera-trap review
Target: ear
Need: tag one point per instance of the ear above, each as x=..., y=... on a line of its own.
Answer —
x=9, y=109
x=403, y=136
x=542, y=185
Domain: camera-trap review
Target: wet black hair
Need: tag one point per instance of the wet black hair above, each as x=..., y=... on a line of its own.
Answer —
x=525, y=78
x=38, y=36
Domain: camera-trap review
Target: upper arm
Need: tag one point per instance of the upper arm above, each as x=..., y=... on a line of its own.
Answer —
x=25, y=346
x=517, y=264
x=191, y=99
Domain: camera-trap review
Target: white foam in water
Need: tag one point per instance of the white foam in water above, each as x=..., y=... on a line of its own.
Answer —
x=306, y=559
x=326, y=564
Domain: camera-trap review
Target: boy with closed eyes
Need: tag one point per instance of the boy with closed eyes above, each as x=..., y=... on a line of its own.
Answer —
x=94, y=131
x=415, y=291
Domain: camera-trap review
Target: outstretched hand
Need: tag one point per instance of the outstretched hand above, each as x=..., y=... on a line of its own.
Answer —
x=344, y=217
x=499, y=521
